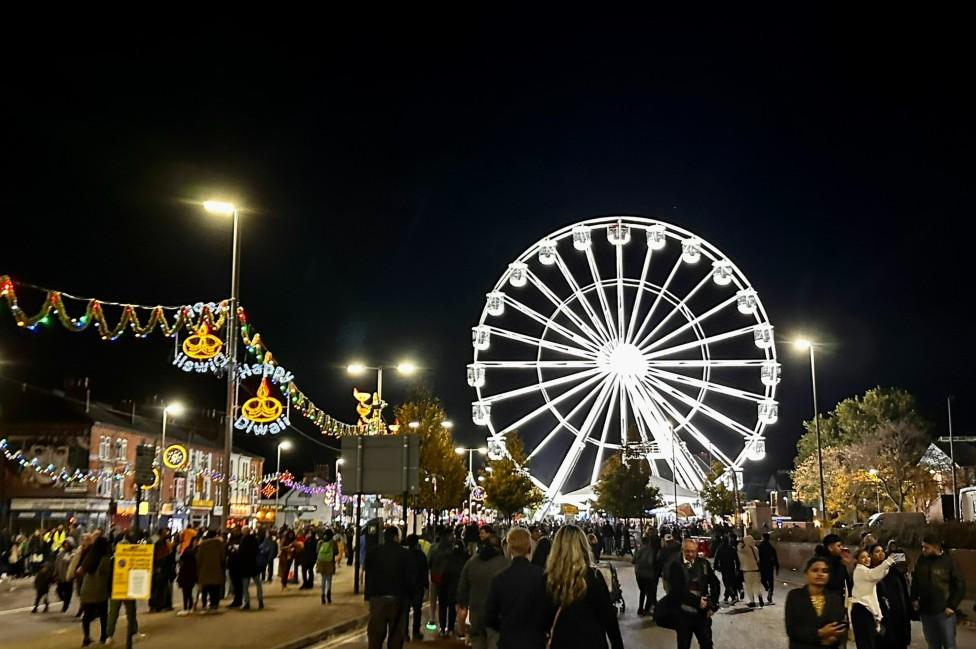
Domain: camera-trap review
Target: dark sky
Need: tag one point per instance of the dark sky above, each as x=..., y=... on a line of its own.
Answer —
x=390, y=174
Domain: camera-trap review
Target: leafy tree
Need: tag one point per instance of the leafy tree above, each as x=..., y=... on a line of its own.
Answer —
x=442, y=483
x=717, y=498
x=624, y=490
x=508, y=489
x=841, y=482
x=857, y=419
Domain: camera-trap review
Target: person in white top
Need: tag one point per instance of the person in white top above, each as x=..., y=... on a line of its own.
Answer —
x=749, y=565
x=864, y=607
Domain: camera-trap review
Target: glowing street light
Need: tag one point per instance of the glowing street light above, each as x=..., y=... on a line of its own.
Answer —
x=448, y=424
x=222, y=208
x=406, y=368
x=172, y=409
x=284, y=445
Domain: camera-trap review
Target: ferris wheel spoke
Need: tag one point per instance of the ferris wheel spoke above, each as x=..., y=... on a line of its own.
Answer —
x=620, y=292
x=623, y=413
x=538, y=364
x=687, y=425
x=706, y=363
x=606, y=429
x=657, y=300
x=562, y=307
x=677, y=308
x=550, y=323
x=700, y=342
x=564, y=421
x=696, y=405
x=710, y=385
x=685, y=471
x=551, y=383
x=572, y=456
x=640, y=294
x=549, y=403
x=547, y=344
x=583, y=300
x=601, y=292
x=691, y=323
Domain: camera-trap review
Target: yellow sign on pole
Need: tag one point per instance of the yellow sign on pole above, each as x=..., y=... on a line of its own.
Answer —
x=132, y=574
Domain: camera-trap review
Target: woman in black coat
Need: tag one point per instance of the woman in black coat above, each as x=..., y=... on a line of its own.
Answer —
x=450, y=577
x=580, y=613
x=896, y=607
x=815, y=617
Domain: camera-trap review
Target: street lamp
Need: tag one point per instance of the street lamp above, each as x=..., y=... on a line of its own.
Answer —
x=229, y=209
x=414, y=425
x=448, y=424
x=460, y=450
x=405, y=367
x=173, y=409
x=877, y=488
x=803, y=344
x=283, y=445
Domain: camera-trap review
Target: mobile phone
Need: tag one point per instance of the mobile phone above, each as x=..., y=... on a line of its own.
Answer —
x=899, y=557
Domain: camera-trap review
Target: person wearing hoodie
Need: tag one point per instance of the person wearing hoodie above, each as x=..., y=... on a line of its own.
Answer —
x=419, y=570
x=727, y=565
x=472, y=592
x=450, y=579
x=435, y=560
x=64, y=578
x=749, y=565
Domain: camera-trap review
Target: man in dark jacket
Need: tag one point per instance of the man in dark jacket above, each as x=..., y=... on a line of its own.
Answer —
x=768, y=567
x=472, y=595
x=693, y=597
x=310, y=552
x=727, y=564
x=542, y=546
x=517, y=601
x=389, y=585
x=937, y=589
x=436, y=559
x=418, y=570
x=248, y=556
x=840, y=580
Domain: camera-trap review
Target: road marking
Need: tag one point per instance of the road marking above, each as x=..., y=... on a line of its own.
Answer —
x=341, y=640
x=26, y=608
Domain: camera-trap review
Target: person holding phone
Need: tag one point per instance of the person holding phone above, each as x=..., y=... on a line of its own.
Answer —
x=865, y=608
x=896, y=609
x=815, y=617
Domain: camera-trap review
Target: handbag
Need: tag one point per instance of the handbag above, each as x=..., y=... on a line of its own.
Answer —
x=666, y=614
x=552, y=629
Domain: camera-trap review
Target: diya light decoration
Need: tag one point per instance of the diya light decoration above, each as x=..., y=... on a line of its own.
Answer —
x=175, y=457
x=262, y=414
x=201, y=352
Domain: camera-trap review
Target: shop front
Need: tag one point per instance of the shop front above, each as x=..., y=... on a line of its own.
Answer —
x=29, y=514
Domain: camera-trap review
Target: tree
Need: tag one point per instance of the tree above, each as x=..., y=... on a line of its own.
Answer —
x=841, y=482
x=508, y=488
x=856, y=419
x=442, y=484
x=716, y=497
x=624, y=489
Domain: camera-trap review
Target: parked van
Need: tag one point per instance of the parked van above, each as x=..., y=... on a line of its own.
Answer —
x=897, y=520
x=967, y=504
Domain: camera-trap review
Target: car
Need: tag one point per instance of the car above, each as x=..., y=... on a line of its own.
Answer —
x=896, y=520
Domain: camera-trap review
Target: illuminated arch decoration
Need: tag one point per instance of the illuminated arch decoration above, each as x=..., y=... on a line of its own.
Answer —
x=262, y=414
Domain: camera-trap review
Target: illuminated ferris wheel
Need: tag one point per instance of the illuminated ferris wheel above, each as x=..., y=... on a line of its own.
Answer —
x=624, y=334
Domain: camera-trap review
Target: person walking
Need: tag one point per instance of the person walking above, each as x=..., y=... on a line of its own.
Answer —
x=646, y=571
x=64, y=579
x=307, y=558
x=450, y=579
x=42, y=584
x=516, y=606
x=325, y=563
x=580, y=613
x=749, y=567
x=164, y=571
x=211, y=555
x=937, y=588
x=388, y=586
x=436, y=559
x=691, y=600
x=269, y=552
x=187, y=577
x=896, y=607
x=37, y=551
x=247, y=555
x=543, y=545
x=768, y=567
x=96, y=580
x=865, y=610
x=727, y=565
x=133, y=535
x=286, y=556
x=472, y=592
x=815, y=617
x=669, y=553
x=419, y=579
x=607, y=532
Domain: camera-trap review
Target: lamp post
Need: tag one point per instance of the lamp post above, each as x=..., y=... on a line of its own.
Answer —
x=229, y=209
x=406, y=368
x=173, y=409
x=877, y=489
x=460, y=450
x=803, y=344
x=952, y=460
x=283, y=445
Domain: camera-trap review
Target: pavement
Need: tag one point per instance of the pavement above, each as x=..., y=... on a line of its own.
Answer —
x=287, y=617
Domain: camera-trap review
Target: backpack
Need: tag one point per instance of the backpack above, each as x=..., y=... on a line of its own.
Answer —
x=326, y=551
x=264, y=555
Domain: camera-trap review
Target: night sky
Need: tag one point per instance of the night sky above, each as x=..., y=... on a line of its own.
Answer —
x=389, y=176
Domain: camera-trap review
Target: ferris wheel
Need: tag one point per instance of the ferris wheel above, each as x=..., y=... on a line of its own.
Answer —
x=624, y=335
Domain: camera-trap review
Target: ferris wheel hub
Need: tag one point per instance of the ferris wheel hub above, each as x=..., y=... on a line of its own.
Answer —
x=624, y=360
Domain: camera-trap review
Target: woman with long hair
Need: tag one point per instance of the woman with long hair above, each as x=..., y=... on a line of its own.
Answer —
x=865, y=607
x=815, y=617
x=579, y=600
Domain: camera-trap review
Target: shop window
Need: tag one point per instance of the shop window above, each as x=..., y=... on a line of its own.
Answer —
x=121, y=449
x=105, y=448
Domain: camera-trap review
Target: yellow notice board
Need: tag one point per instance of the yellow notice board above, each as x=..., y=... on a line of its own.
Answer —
x=132, y=573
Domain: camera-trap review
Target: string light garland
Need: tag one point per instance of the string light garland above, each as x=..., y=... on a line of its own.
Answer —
x=182, y=318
